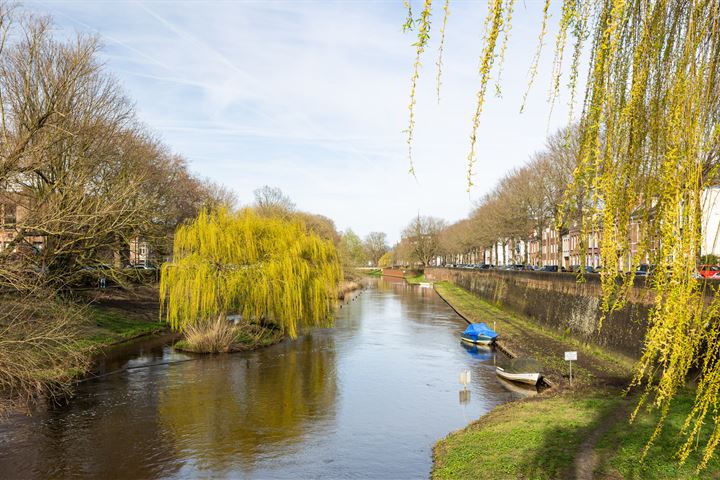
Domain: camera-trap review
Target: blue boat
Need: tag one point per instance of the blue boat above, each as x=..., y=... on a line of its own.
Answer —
x=478, y=352
x=479, y=333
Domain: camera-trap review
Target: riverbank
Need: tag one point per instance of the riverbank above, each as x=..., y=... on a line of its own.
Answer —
x=360, y=387
x=521, y=337
x=415, y=279
x=577, y=430
x=115, y=316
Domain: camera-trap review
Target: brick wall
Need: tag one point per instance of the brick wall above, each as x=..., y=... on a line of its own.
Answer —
x=558, y=301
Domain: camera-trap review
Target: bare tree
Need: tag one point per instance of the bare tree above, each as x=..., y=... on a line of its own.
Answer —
x=272, y=201
x=422, y=235
x=375, y=246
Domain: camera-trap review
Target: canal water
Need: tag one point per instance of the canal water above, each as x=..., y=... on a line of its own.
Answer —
x=366, y=399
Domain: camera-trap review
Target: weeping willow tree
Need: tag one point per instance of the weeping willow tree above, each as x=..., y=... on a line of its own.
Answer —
x=264, y=268
x=650, y=136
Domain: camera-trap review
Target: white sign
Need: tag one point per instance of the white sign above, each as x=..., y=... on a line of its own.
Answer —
x=465, y=377
x=571, y=356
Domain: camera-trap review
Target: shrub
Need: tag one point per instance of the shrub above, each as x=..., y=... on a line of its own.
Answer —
x=213, y=336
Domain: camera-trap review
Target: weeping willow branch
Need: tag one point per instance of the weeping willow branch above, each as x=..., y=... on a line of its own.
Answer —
x=648, y=140
x=493, y=25
x=507, y=27
x=263, y=268
x=536, y=58
x=422, y=39
x=439, y=63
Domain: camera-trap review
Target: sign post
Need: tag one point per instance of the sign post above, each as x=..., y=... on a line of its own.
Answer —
x=570, y=357
x=465, y=393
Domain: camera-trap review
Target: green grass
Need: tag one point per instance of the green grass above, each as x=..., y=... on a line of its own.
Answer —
x=536, y=438
x=477, y=310
x=416, y=280
x=620, y=449
x=375, y=272
x=540, y=438
x=106, y=327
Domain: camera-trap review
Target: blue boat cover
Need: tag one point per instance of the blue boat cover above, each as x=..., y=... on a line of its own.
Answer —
x=477, y=329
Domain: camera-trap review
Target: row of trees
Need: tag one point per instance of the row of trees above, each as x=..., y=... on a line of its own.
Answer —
x=80, y=176
x=525, y=202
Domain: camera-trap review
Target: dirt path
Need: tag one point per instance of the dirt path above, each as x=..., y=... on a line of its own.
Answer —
x=587, y=459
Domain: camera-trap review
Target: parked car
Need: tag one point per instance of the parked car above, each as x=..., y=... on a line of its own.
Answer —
x=577, y=268
x=644, y=269
x=141, y=266
x=550, y=268
x=709, y=271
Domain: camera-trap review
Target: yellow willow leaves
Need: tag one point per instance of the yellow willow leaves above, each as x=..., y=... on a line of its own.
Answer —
x=649, y=146
x=493, y=26
x=439, y=63
x=422, y=39
x=538, y=51
x=259, y=267
x=506, y=27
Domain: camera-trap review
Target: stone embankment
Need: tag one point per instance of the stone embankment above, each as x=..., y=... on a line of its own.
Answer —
x=559, y=302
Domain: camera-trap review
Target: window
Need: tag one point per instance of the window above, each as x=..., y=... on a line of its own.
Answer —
x=9, y=213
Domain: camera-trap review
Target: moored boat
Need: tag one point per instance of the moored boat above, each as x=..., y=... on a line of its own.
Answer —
x=479, y=333
x=478, y=352
x=521, y=370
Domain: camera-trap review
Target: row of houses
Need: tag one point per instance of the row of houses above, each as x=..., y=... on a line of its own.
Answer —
x=12, y=213
x=564, y=248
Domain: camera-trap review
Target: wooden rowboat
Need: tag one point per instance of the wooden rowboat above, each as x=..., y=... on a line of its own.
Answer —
x=521, y=370
x=528, y=378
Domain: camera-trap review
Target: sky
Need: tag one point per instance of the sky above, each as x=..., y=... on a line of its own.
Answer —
x=312, y=97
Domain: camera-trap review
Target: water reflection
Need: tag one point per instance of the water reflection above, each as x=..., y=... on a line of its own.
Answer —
x=247, y=407
x=366, y=399
x=478, y=352
x=518, y=388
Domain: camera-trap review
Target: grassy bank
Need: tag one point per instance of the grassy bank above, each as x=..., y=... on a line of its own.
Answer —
x=46, y=342
x=523, y=337
x=115, y=315
x=536, y=438
x=346, y=287
x=108, y=326
x=542, y=437
x=416, y=279
x=579, y=431
x=621, y=448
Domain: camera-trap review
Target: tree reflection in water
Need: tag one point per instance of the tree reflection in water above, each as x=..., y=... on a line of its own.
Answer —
x=227, y=417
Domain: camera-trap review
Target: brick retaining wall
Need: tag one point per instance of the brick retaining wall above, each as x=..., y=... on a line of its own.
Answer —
x=558, y=301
